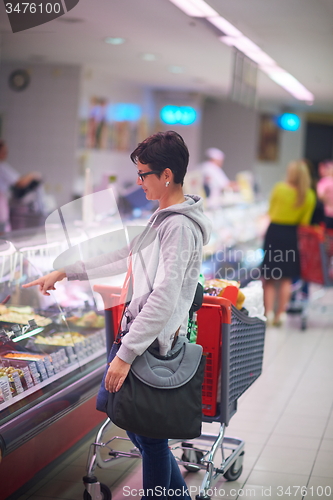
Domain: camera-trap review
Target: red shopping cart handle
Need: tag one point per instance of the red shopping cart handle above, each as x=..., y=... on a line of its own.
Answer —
x=223, y=303
x=110, y=294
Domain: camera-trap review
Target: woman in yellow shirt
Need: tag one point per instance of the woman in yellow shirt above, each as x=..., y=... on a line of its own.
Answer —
x=291, y=204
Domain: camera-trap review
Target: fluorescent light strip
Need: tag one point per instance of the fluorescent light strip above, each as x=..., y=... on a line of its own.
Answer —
x=195, y=8
x=235, y=38
x=289, y=83
x=269, y=66
x=246, y=45
x=261, y=58
x=249, y=48
x=224, y=25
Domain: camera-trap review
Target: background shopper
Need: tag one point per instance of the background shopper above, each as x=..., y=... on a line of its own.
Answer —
x=325, y=191
x=11, y=182
x=172, y=266
x=292, y=203
x=214, y=178
x=318, y=213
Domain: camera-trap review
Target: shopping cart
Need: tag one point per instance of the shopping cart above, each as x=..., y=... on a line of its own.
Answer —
x=234, y=345
x=315, y=245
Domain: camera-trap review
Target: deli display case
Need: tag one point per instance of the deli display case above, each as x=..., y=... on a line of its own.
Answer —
x=52, y=358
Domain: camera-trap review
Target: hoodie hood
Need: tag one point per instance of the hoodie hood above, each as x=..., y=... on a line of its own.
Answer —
x=192, y=208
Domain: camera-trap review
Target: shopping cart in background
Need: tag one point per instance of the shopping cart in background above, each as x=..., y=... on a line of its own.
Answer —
x=234, y=346
x=315, y=244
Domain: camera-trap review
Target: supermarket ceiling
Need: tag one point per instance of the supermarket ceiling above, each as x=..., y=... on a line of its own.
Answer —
x=165, y=48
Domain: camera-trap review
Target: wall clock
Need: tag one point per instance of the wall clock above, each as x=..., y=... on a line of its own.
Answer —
x=19, y=79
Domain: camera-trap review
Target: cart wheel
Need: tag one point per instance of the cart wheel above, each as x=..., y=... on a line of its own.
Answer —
x=232, y=474
x=105, y=491
x=191, y=458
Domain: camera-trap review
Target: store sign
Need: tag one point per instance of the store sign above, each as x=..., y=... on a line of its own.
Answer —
x=123, y=111
x=182, y=115
x=289, y=121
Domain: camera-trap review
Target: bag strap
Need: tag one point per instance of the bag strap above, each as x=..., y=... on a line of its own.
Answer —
x=198, y=299
x=196, y=304
x=124, y=296
x=175, y=338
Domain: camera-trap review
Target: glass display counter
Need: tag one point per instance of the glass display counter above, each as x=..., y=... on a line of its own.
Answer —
x=52, y=352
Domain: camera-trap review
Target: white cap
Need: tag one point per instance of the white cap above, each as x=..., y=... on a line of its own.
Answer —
x=215, y=154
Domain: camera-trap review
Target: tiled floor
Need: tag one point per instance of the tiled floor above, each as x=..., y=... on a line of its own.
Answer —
x=285, y=419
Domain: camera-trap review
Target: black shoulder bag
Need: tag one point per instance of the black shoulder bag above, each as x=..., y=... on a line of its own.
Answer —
x=161, y=395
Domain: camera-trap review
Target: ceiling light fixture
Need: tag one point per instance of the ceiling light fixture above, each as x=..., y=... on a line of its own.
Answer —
x=195, y=8
x=261, y=58
x=176, y=69
x=228, y=40
x=114, y=40
x=246, y=45
x=289, y=83
x=235, y=38
x=148, y=57
x=242, y=43
x=224, y=25
x=250, y=49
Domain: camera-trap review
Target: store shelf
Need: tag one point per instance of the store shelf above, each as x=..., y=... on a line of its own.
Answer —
x=72, y=367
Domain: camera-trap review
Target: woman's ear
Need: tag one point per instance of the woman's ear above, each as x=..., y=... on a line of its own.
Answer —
x=168, y=175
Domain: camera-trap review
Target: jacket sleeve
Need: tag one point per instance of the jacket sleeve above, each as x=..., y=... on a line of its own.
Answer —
x=176, y=260
x=108, y=263
x=98, y=267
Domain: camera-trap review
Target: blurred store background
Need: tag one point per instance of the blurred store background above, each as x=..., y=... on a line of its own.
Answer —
x=93, y=82
x=252, y=79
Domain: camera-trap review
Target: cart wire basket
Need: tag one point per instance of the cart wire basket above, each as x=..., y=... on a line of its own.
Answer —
x=315, y=245
x=234, y=347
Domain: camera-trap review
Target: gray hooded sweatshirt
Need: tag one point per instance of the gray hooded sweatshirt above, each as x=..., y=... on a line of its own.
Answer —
x=166, y=262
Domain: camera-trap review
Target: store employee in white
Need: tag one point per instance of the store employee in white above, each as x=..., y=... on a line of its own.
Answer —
x=214, y=178
x=9, y=178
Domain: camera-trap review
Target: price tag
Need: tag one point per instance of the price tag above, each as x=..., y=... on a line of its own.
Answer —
x=27, y=377
x=41, y=368
x=5, y=388
x=17, y=383
x=70, y=353
x=48, y=366
x=78, y=348
x=56, y=362
x=64, y=358
x=34, y=372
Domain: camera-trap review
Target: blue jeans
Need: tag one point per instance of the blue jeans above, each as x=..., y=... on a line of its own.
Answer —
x=162, y=478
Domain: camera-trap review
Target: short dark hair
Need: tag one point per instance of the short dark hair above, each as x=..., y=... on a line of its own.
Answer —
x=163, y=150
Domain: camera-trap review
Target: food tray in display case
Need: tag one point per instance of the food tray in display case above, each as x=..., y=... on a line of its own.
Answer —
x=45, y=347
x=42, y=351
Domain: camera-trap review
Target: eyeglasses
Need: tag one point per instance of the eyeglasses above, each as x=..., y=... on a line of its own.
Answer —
x=144, y=174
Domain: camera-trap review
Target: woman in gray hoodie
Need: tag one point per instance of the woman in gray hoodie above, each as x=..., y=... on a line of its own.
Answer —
x=166, y=263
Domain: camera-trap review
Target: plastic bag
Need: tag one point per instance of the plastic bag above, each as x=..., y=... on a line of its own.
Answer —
x=254, y=299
